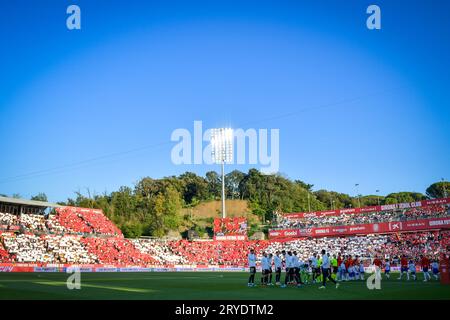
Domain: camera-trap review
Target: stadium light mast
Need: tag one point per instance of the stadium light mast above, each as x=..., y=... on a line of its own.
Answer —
x=222, y=152
x=358, y=195
x=378, y=196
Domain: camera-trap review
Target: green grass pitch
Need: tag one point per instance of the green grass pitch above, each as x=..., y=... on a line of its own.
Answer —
x=201, y=285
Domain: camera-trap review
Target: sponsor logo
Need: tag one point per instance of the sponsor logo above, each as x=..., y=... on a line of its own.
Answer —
x=395, y=226
x=106, y=270
x=439, y=222
x=45, y=269
x=347, y=210
x=6, y=269
x=359, y=228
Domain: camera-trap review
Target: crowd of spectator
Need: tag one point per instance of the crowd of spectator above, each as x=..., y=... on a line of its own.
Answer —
x=73, y=249
x=66, y=220
x=412, y=245
x=8, y=219
x=159, y=250
x=4, y=254
x=86, y=221
x=68, y=249
x=230, y=253
x=116, y=251
x=435, y=211
x=362, y=246
x=83, y=236
x=33, y=222
x=27, y=248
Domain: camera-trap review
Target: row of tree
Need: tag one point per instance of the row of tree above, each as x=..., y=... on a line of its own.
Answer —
x=153, y=206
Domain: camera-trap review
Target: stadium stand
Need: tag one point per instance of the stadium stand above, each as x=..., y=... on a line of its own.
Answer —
x=116, y=251
x=435, y=211
x=8, y=219
x=85, y=221
x=231, y=253
x=4, y=254
x=68, y=249
x=27, y=248
x=160, y=250
x=364, y=246
x=33, y=222
x=87, y=236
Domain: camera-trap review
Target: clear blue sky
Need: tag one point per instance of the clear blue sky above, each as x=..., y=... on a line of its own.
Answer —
x=140, y=69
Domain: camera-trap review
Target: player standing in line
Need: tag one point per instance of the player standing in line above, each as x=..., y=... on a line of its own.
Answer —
x=335, y=266
x=264, y=269
x=296, y=264
x=342, y=270
x=270, y=260
x=304, y=272
x=425, y=264
x=351, y=269
x=319, y=269
x=289, y=269
x=387, y=268
x=347, y=270
x=435, y=268
x=252, y=266
x=339, y=262
x=403, y=267
x=356, y=268
x=314, y=267
x=378, y=264
x=283, y=260
x=326, y=271
x=361, y=271
x=412, y=270
x=278, y=265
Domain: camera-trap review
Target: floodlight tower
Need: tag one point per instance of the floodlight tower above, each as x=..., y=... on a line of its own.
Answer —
x=222, y=152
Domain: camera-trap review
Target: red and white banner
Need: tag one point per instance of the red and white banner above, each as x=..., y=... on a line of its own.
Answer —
x=226, y=238
x=387, y=207
x=230, y=228
x=383, y=227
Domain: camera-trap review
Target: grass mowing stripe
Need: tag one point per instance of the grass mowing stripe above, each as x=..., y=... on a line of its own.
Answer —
x=198, y=285
x=53, y=283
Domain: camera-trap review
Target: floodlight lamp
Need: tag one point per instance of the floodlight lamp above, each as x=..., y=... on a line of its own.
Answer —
x=222, y=145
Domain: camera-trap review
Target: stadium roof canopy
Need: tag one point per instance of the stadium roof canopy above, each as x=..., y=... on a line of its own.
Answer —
x=30, y=203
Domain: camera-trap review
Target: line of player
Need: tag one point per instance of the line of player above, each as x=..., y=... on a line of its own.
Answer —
x=322, y=267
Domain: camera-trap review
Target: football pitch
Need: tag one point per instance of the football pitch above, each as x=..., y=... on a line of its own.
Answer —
x=201, y=285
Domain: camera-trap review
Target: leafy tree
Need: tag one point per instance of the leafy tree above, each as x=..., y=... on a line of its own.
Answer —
x=232, y=182
x=40, y=197
x=400, y=197
x=304, y=185
x=439, y=190
x=214, y=184
x=195, y=188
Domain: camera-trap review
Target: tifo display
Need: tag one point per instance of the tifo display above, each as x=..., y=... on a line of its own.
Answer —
x=87, y=238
